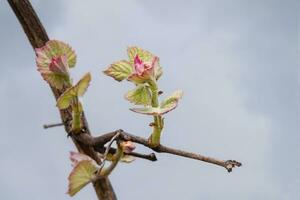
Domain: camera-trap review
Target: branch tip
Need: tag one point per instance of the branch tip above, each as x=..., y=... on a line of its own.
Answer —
x=230, y=164
x=46, y=126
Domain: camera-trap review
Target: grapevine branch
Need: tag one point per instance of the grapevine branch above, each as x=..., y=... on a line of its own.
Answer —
x=37, y=37
x=151, y=156
x=100, y=141
x=84, y=141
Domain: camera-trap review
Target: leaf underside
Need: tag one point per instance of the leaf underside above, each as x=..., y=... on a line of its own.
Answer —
x=166, y=106
x=81, y=175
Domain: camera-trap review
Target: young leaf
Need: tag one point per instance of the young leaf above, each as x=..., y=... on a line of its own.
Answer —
x=166, y=106
x=76, y=157
x=148, y=110
x=53, y=61
x=57, y=73
x=171, y=102
x=59, y=65
x=119, y=70
x=65, y=100
x=81, y=175
x=55, y=48
x=141, y=95
x=158, y=71
x=144, y=55
x=83, y=84
x=56, y=80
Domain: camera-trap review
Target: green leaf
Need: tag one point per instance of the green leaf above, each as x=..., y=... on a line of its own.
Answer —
x=83, y=84
x=65, y=100
x=81, y=175
x=76, y=157
x=144, y=55
x=148, y=110
x=158, y=71
x=57, y=80
x=166, y=106
x=141, y=95
x=171, y=102
x=119, y=70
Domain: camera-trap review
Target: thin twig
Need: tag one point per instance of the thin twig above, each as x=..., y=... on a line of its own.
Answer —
x=228, y=164
x=151, y=156
x=45, y=126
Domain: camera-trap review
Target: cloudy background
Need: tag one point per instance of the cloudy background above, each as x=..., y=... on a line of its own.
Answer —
x=237, y=62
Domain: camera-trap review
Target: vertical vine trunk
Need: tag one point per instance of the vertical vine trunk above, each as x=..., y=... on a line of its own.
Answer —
x=38, y=37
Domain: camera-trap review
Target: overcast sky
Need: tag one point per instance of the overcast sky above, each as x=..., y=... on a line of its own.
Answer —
x=237, y=62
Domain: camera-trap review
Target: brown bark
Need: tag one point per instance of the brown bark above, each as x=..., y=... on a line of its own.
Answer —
x=98, y=144
x=38, y=37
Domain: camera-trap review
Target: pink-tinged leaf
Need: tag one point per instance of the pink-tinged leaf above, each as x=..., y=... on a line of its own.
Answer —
x=119, y=70
x=144, y=55
x=82, y=174
x=137, y=79
x=171, y=102
x=141, y=59
x=76, y=157
x=53, y=61
x=141, y=95
x=43, y=57
x=56, y=74
x=139, y=65
x=61, y=48
x=55, y=48
x=143, y=71
x=59, y=65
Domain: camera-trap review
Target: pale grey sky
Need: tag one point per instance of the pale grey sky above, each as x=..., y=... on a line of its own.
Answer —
x=237, y=62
